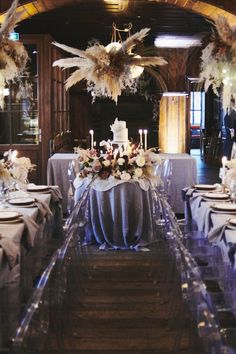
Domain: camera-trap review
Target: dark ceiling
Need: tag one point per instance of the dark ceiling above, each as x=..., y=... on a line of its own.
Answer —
x=92, y=19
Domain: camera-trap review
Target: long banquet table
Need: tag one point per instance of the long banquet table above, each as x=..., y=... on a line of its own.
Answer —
x=213, y=224
x=18, y=234
x=184, y=173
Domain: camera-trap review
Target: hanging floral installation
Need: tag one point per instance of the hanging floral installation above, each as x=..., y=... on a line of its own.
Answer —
x=13, y=56
x=218, y=62
x=108, y=69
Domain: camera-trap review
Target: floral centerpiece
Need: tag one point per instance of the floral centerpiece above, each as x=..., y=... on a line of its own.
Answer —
x=230, y=172
x=126, y=163
x=14, y=168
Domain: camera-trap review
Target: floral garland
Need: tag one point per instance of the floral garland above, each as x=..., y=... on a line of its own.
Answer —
x=124, y=164
x=218, y=63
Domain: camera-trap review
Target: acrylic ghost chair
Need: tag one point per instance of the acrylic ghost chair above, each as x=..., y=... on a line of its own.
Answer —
x=47, y=298
x=194, y=290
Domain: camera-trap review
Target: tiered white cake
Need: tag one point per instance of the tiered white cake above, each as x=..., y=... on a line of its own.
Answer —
x=120, y=132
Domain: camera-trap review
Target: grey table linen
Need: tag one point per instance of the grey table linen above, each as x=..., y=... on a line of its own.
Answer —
x=215, y=225
x=184, y=173
x=120, y=217
x=10, y=250
x=57, y=174
x=30, y=230
x=27, y=231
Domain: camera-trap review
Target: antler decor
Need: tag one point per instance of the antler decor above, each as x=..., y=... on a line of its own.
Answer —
x=13, y=56
x=107, y=70
x=218, y=62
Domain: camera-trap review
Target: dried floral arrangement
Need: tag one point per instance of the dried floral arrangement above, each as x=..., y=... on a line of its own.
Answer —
x=13, y=56
x=218, y=62
x=13, y=168
x=108, y=69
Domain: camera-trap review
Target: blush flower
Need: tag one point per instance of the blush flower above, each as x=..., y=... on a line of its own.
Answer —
x=96, y=166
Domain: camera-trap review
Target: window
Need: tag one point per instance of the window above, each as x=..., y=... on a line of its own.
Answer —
x=197, y=108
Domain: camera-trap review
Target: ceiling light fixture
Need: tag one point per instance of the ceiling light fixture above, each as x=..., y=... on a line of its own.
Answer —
x=171, y=94
x=170, y=41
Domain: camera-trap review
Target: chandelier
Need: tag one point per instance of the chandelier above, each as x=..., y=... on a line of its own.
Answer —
x=109, y=69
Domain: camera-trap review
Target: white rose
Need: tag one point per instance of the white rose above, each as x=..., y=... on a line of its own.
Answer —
x=121, y=161
x=96, y=166
x=140, y=161
x=106, y=163
x=125, y=176
x=138, y=172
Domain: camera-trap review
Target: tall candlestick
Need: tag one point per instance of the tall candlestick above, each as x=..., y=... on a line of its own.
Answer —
x=145, y=139
x=224, y=161
x=91, y=132
x=141, y=137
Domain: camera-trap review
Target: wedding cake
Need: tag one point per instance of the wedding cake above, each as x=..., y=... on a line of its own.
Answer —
x=120, y=132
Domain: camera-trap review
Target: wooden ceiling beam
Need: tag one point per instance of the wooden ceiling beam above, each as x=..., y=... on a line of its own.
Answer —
x=203, y=8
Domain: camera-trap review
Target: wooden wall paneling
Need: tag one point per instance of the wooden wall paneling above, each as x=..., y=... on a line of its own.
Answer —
x=46, y=98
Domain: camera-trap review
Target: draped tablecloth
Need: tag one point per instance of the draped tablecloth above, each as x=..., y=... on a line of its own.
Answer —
x=57, y=174
x=184, y=173
x=212, y=223
x=120, y=214
x=19, y=233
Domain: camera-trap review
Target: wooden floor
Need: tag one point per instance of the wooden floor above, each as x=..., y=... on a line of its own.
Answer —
x=123, y=302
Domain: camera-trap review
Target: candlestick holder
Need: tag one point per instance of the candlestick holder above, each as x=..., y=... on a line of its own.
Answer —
x=223, y=188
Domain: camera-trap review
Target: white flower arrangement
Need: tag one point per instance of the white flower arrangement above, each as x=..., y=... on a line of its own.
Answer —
x=15, y=168
x=124, y=164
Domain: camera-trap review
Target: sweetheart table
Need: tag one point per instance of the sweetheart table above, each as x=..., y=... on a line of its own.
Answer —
x=120, y=212
x=184, y=173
